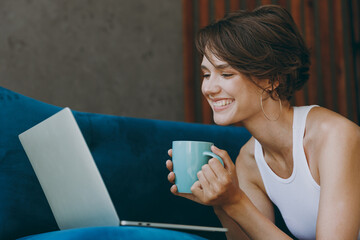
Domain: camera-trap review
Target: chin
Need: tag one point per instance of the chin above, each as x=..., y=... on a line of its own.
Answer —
x=226, y=119
x=222, y=122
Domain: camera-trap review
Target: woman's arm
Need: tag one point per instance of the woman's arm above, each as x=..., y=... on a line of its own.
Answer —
x=248, y=205
x=249, y=180
x=234, y=232
x=338, y=154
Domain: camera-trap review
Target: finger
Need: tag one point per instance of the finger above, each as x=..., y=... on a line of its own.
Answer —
x=169, y=165
x=170, y=152
x=224, y=156
x=220, y=172
x=209, y=173
x=196, y=185
x=174, y=190
x=216, y=167
x=204, y=183
x=213, y=182
x=171, y=177
x=197, y=190
x=189, y=196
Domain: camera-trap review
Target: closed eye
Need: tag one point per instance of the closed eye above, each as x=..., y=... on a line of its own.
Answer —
x=227, y=75
x=206, y=75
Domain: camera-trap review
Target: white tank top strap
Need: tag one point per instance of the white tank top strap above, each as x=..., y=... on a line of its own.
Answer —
x=299, y=122
x=299, y=156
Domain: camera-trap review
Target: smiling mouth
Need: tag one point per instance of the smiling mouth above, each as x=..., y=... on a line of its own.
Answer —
x=222, y=103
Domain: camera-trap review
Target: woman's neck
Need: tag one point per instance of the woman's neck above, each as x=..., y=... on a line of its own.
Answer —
x=275, y=136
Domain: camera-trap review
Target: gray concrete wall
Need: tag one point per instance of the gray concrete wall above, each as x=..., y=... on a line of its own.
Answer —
x=121, y=57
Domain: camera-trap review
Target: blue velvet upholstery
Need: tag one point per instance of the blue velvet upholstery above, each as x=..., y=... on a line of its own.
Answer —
x=130, y=154
x=111, y=233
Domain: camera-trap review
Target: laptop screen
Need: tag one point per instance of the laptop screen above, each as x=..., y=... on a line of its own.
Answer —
x=67, y=173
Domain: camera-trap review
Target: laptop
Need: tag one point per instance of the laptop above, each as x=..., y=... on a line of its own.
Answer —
x=70, y=178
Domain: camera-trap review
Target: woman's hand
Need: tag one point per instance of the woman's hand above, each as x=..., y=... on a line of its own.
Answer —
x=217, y=184
x=171, y=178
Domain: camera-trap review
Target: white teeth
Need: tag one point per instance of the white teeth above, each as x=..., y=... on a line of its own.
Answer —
x=222, y=103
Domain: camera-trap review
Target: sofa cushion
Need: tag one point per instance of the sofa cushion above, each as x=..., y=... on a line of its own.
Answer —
x=112, y=233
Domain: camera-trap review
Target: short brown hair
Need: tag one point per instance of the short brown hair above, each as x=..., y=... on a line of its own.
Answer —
x=264, y=44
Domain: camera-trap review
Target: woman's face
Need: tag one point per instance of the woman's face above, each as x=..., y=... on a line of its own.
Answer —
x=232, y=96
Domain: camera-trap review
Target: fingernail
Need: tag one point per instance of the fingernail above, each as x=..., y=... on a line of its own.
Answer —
x=172, y=188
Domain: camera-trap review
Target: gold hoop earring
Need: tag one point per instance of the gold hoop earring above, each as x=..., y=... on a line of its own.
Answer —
x=262, y=108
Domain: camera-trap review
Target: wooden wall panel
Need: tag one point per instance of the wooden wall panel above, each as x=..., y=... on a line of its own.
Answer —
x=351, y=72
x=204, y=19
x=299, y=96
x=311, y=85
x=283, y=3
x=266, y=2
x=188, y=61
x=339, y=58
x=250, y=4
x=234, y=5
x=326, y=80
x=219, y=9
x=330, y=29
x=354, y=20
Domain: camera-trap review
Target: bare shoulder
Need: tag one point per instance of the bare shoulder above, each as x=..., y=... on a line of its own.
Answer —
x=246, y=159
x=329, y=134
x=250, y=180
x=246, y=166
x=323, y=124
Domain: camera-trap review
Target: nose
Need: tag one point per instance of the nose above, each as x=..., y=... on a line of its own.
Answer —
x=210, y=86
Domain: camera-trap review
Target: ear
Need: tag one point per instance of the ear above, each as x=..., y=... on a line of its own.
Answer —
x=276, y=84
x=271, y=85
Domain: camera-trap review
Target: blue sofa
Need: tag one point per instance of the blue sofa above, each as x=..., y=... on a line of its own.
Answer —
x=130, y=154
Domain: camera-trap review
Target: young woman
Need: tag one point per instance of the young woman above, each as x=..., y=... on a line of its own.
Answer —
x=305, y=160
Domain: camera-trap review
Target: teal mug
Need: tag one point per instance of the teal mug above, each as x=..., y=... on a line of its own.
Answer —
x=188, y=157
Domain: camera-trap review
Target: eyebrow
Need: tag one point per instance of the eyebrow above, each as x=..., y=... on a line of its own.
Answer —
x=221, y=66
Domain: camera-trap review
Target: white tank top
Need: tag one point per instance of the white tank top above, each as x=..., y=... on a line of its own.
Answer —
x=297, y=197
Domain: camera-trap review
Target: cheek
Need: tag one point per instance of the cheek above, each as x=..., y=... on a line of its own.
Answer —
x=203, y=87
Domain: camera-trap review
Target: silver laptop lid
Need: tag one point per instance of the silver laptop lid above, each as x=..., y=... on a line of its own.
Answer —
x=67, y=173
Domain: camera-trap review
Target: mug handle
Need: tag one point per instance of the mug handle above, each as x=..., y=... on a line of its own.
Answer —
x=211, y=154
